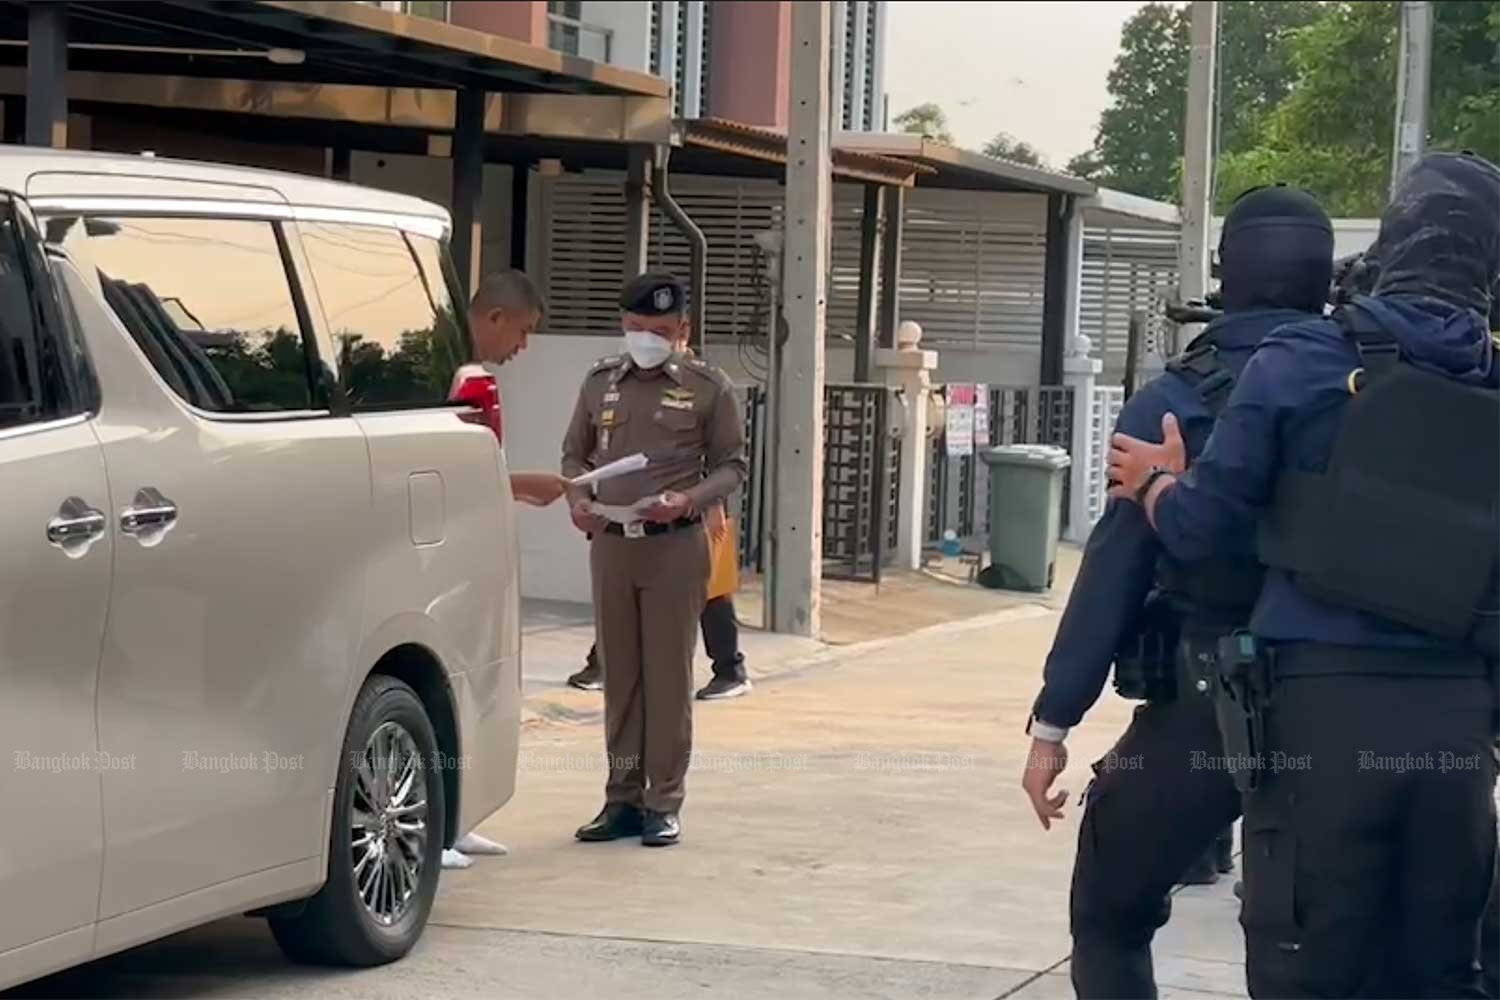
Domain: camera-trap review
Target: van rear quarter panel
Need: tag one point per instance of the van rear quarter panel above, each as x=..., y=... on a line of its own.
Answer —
x=459, y=595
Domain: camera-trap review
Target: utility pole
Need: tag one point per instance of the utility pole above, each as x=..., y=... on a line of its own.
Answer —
x=1197, y=155
x=1413, y=83
x=797, y=525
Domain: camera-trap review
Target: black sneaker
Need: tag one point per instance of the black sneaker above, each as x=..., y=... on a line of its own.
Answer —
x=615, y=821
x=724, y=687
x=590, y=678
x=661, y=829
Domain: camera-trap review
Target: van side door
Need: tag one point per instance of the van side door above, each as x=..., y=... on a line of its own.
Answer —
x=56, y=550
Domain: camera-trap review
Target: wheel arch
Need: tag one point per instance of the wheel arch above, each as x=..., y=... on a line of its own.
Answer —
x=420, y=669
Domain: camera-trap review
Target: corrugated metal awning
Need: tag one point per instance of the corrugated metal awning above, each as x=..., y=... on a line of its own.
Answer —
x=952, y=167
x=739, y=139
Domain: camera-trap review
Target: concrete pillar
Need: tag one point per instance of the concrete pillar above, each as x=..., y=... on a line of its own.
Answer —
x=910, y=371
x=47, y=75
x=468, y=188
x=1081, y=374
x=1413, y=82
x=1197, y=173
x=797, y=540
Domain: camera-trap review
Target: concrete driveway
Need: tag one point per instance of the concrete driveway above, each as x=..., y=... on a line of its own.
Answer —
x=853, y=829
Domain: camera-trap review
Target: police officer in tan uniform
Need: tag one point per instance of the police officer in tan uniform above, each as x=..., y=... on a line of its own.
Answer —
x=649, y=574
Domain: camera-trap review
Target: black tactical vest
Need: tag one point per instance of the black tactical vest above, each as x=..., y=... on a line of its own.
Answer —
x=1405, y=521
x=1218, y=592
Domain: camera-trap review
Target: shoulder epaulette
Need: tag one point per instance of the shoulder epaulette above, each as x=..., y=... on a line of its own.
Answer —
x=604, y=364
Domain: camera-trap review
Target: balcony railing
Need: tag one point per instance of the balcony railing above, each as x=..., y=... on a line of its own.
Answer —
x=579, y=38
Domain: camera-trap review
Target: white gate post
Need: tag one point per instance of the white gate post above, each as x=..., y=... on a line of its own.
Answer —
x=1080, y=373
x=908, y=368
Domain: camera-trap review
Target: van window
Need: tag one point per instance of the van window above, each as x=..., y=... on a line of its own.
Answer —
x=398, y=337
x=207, y=301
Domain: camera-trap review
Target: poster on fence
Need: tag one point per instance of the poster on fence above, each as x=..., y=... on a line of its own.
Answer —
x=960, y=429
x=981, y=416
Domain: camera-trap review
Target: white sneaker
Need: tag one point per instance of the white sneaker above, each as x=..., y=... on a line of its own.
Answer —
x=454, y=861
x=474, y=844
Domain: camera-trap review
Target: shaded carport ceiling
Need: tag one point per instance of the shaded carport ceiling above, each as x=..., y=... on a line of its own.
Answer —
x=344, y=43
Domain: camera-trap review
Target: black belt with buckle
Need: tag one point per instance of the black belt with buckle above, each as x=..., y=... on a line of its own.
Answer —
x=650, y=529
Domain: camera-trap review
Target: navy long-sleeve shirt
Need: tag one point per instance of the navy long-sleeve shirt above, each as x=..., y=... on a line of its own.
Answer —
x=1284, y=413
x=1120, y=558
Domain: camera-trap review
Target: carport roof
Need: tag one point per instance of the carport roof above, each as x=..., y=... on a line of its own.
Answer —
x=342, y=43
x=740, y=139
x=961, y=168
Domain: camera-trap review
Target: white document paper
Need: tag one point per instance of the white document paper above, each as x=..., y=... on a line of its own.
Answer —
x=619, y=467
x=624, y=513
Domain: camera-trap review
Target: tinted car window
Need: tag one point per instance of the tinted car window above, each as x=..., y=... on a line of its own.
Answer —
x=207, y=301
x=396, y=332
x=23, y=390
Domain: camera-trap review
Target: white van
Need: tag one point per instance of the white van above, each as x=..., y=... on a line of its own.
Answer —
x=259, y=602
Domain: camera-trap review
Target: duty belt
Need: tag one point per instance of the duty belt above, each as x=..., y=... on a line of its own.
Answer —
x=650, y=529
x=1318, y=659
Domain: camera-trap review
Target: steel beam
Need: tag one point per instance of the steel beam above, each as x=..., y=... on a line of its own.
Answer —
x=869, y=260
x=47, y=75
x=468, y=188
x=890, y=265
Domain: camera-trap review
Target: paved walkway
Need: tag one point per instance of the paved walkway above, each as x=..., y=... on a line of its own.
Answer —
x=854, y=829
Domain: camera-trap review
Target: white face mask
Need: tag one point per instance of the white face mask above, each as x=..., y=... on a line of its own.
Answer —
x=647, y=349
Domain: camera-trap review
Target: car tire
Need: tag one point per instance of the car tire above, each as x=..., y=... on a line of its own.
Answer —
x=369, y=912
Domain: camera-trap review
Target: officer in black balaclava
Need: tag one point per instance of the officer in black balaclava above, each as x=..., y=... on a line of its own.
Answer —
x=1163, y=793
x=1367, y=448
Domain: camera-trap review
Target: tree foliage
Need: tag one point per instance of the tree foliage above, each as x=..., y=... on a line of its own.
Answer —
x=1308, y=95
x=1005, y=146
x=926, y=120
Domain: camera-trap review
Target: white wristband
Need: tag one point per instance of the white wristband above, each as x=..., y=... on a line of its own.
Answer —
x=1047, y=732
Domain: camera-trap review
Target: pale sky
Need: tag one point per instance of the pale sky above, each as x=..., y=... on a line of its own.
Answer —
x=1036, y=70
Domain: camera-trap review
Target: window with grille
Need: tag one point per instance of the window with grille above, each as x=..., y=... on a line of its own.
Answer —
x=655, y=44
x=708, y=14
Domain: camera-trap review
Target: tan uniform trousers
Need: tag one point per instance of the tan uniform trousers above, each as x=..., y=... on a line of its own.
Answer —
x=648, y=597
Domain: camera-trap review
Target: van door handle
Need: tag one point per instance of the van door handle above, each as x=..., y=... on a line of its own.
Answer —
x=75, y=525
x=149, y=517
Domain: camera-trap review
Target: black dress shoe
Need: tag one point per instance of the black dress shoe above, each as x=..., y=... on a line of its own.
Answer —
x=661, y=829
x=615, y=821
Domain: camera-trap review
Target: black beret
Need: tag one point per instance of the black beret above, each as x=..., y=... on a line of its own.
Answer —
x=655, y=293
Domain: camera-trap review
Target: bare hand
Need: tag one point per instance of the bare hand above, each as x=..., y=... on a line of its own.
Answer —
x=669, y=507
x=539, y=489
x=584, y=518
x=1131, y=460
x=717, y=523
x=1045, y=762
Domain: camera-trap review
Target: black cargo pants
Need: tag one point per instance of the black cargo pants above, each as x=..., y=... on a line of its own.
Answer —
x=1369, y=848
x=1157, y=802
